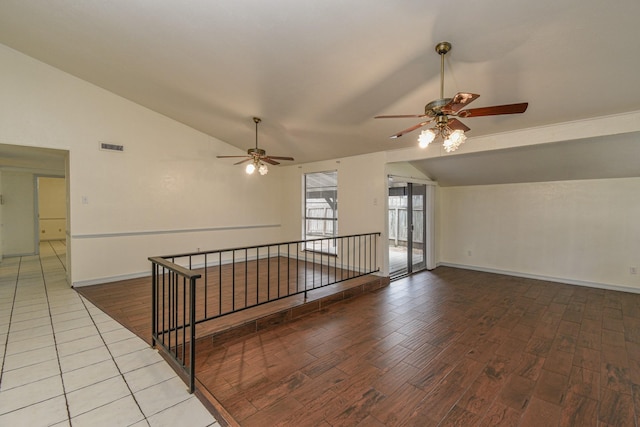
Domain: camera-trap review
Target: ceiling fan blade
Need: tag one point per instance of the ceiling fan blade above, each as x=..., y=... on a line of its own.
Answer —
x=495, y=110
x=270, y=161
x=242, y=161
x=411, y=129
x=455, y=124
x=230, y=157
x=401, y=116
x=280, y=158
x=458, y=101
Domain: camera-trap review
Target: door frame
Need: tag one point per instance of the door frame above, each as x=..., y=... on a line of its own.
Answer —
x=429, y=243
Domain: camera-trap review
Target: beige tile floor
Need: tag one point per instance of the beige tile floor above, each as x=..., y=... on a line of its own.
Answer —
x=66, y=363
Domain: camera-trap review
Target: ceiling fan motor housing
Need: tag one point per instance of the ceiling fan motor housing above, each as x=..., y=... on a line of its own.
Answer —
x=434, y=108
x=256, y=152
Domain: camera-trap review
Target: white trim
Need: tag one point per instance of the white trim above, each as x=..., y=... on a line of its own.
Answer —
x=214, y=263
x=175, y=231
x=430, y=227
x=398, y=178
x=607, y=286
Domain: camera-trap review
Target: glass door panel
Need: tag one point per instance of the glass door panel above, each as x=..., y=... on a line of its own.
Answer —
x=417, y=242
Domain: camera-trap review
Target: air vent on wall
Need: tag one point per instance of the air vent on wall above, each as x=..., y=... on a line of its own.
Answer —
x=111, y=147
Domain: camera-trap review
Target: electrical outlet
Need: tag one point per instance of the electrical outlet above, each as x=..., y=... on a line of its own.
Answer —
x=469, y=253
x=633, y=270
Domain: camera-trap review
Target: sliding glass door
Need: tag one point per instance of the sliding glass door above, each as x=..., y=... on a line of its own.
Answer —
x=407, y=231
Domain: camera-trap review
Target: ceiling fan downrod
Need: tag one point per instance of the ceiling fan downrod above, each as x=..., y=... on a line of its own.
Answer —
x=257, y=120
x=442, y=48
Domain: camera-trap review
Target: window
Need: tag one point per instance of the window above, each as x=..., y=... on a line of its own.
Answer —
x=321, y=210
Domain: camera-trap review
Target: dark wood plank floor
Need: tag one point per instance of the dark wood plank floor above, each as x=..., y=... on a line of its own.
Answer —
x=227, y=289
x=448, y=347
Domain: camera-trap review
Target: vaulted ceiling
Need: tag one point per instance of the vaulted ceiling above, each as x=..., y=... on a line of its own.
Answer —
x=317, y=72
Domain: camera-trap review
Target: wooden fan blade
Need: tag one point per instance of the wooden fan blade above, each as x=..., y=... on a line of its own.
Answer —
x=411, y=129
x=242, y=161
x=230, y=157
x=270, y=161
x=401, y=116
x=495, y=110
x=281, y=158
x=455, y=124
x=459, y=100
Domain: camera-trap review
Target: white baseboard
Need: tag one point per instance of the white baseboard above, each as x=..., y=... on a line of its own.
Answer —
x=211, y=263
x=110, y=279
x=597, y=285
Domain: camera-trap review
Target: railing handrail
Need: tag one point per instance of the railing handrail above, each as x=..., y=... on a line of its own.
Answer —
x=183, y=271
x=241, y=248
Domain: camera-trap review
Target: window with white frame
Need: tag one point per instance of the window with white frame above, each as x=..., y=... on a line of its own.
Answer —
x=321, y=210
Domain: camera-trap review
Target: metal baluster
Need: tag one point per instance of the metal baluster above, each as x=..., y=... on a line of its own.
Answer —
x=246, y=275
x=169, y=308
x=184, y=316
x=359, y=255
x=206, y=286
x=192, y=338
x=154, y=302
x=164, y=300
x=176, y=301
x=278, y=262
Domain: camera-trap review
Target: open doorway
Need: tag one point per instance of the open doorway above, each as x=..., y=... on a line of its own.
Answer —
x=21, y=169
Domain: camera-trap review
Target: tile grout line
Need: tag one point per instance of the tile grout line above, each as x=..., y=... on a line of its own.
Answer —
x=114, y=361
x=55, y=341
x=57, y=255
x=13, y=303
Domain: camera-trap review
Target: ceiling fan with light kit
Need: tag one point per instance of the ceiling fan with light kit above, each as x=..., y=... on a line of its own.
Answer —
x=257, y=156
x=443, y=113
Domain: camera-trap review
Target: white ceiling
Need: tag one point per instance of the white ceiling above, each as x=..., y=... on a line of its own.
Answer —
x=317, y=72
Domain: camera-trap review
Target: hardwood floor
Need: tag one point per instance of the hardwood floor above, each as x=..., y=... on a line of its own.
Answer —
x=447, y=347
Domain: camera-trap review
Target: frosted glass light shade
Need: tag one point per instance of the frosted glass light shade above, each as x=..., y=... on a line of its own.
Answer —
x=426, y=137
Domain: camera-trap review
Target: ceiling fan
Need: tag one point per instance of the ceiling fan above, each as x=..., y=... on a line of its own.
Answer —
x=257, y=156
x=443, y=113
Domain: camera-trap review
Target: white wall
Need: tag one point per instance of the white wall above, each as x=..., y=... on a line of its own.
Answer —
x=18, y=195
x=362, y=192
x=166, y=192
x=583, y=232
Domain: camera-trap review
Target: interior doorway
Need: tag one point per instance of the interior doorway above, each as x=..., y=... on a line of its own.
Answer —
x=21, y=169
x=407, y=228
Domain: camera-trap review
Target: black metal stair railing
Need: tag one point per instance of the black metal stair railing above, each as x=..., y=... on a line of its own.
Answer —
x=173, y=312
x=237, y=279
